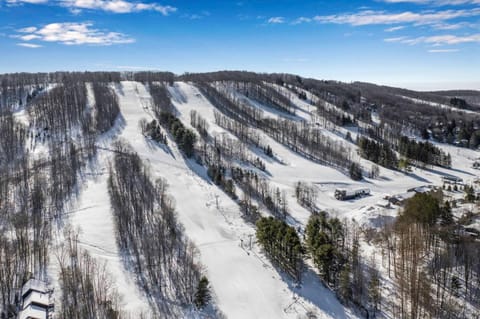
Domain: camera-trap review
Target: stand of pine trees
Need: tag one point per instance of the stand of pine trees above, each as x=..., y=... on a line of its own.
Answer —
x=325, y=243
x=153, y=131
x=423, y=153
x=282, y=244
x=380, y=153
x=184, y=137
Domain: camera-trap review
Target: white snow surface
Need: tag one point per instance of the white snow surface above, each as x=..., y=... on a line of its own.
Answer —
x=245, y=283
x=439, y=105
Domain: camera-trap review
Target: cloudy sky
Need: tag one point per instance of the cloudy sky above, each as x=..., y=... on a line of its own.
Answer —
x=421, y=44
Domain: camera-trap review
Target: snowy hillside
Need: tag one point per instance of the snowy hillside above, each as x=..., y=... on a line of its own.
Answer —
x=292, y=140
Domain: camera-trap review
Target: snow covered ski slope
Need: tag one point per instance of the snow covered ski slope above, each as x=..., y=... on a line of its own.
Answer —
x=244, y=281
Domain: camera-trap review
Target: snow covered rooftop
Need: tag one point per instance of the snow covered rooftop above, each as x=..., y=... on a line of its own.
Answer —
x=38, y=298
x=33, y=312
x=34, y=284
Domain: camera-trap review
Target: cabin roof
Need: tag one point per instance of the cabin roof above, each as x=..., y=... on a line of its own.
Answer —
x=33, y=312
x=38, y=298
x=35, y=285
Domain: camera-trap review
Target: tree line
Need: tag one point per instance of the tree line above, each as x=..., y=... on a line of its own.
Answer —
x=377, y=152
x=242, y=132
x=264, y=94
x=36, y=187
x=301, y=138
x=106, y=107
x=432, y=261
x=149, y=233
x=87, y=289
x=166, y=115
x=33, y=196
x=282, y=244
x=423, y=153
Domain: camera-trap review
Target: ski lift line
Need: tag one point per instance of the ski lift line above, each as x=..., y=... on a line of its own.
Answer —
x=126, y=153
x=295, y=299
x=70, y=212
x=98, y=248
x=217, y=242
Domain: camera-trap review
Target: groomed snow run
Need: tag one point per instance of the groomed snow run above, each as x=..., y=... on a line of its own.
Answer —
x=245, y=283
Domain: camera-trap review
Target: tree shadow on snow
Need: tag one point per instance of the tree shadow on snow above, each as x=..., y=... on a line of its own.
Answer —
x=419, y=178
x=312, y=291
x=198, y=169
x=119, y=88
x=435, y=171
x=155, y=145
x=176, y=94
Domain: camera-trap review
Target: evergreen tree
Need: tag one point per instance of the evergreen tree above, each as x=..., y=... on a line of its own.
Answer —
x=324, y=239
x=423, y=208
x=282, y=244
x=447, y=217
x=355, y=172
x=469, y=193
x=424, y=133
x=202, y=296
x=268, y=151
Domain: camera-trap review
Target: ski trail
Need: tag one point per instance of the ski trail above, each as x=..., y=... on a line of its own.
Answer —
x=246, y=286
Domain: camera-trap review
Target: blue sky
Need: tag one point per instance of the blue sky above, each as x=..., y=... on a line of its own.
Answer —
x=420, y=44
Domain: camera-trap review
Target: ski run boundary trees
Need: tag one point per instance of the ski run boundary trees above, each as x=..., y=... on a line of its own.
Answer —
x=300, y=137
x=150, y=235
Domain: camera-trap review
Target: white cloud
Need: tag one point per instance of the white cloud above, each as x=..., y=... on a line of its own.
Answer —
x=397, y=39
x=453, y=26
x=443, y=50
x=302, y=20
x=276, y=20
x=393, y=29
x=73, y=34
x=29, y=37
x=75, y=11
x=114, y=6
x=117, y=6
x=29, y=45
x=370, y=17
x=437, y=40
x=436, y=2
x=409, y=1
